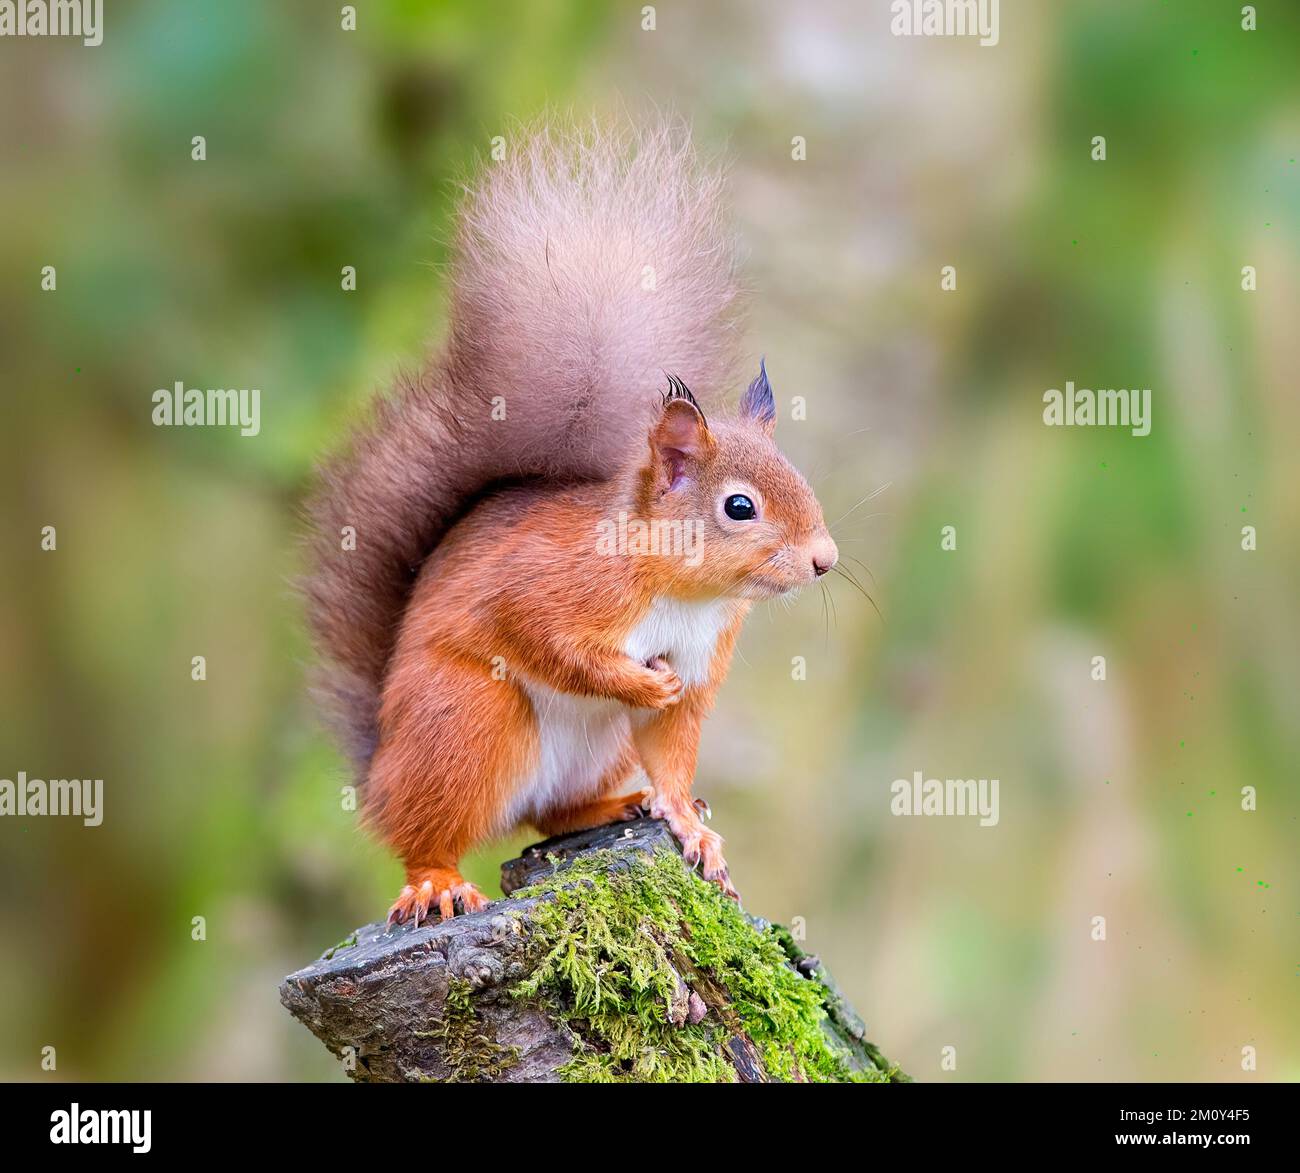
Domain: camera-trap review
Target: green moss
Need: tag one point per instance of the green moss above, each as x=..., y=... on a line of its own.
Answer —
x=849, y=1028
x=472, y=1055
x=346, y=943
x=612, y=944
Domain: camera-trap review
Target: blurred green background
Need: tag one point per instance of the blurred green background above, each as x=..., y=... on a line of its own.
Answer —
x=328, y=148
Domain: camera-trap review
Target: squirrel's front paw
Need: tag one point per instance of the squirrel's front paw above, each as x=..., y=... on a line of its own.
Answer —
x=658, y=686
x=700, y=846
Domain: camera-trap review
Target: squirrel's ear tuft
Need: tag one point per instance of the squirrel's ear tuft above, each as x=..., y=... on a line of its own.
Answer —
x=679, y=390
x=757, y=404
x=680, y=441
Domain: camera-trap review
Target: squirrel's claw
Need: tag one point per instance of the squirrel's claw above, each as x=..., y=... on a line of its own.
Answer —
x=424, y=897
x=723, y=880
x=401, y=906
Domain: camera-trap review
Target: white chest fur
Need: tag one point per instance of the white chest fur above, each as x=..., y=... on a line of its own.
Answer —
x=580, y=738
x=684, y=633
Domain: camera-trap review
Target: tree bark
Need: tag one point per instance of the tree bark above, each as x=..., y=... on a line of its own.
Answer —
x=440, y=1002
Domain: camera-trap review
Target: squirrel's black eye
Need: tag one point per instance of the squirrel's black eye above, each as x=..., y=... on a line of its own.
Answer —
x=739, y=508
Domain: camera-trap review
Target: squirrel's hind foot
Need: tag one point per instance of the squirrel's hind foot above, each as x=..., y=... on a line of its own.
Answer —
x=442, y=890
x=701, y=848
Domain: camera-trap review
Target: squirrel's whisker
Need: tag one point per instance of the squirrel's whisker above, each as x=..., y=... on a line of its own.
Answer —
x=869, y=497
x=858, y=587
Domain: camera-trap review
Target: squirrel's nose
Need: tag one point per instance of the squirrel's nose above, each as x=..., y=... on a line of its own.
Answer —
x=824, y=556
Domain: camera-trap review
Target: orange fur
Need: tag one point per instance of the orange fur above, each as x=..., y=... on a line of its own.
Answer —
x=488, y=661
x=515, y=612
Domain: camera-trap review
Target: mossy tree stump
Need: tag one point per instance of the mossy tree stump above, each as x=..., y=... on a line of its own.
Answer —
x=609, y=959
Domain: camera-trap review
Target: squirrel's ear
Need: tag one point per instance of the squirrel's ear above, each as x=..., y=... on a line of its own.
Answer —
x=680, y=440
x=757, y=403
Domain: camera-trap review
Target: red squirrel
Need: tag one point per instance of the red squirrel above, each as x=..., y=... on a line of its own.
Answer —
x=490, y=662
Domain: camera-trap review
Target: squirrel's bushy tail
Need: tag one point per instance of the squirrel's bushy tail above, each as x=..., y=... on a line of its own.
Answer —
x=589, y=262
